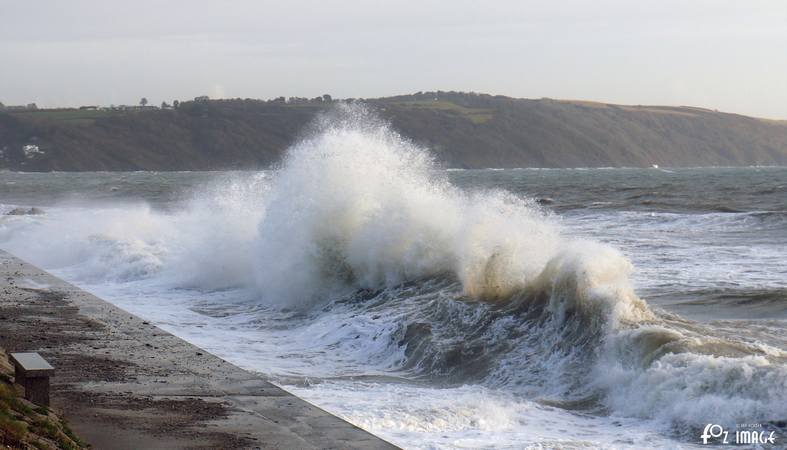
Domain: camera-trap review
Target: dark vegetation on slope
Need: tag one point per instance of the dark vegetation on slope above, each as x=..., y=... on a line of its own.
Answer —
x=24, y=425
x=464, y=130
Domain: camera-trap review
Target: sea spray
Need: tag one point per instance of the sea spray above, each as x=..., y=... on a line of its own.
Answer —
x=356, y=205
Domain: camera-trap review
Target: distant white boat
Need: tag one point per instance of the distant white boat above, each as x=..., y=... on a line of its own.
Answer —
x=655, y=166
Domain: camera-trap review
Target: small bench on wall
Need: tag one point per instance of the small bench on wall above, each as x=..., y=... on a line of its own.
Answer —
x=32, y=372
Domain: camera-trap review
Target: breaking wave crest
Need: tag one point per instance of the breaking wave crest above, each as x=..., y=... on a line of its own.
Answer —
x=358, y=206
x=461, y=287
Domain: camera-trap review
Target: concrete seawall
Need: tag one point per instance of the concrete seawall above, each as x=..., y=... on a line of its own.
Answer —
x=123, y=383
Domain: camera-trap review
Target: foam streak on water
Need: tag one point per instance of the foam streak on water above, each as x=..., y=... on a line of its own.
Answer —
x=446, y=310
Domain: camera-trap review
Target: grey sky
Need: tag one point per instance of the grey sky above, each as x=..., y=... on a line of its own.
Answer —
x=727, y=55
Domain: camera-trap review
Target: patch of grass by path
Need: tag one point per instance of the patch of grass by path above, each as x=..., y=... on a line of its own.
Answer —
x=26, y=425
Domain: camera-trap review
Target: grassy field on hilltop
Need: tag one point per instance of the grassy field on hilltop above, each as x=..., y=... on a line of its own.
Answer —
x=475, y=115
x=68, y=116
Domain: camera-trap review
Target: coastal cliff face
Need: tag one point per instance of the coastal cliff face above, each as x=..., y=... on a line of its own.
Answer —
x=463, y=130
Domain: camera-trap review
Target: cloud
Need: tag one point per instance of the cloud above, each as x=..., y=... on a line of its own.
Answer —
x=664, y=52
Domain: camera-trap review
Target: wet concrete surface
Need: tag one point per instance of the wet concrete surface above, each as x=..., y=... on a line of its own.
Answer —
x=122, y=383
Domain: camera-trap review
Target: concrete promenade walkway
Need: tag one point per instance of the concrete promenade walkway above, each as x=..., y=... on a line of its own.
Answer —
x=122, y=383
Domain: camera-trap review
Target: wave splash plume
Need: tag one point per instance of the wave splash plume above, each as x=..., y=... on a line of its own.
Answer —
x=357, y=206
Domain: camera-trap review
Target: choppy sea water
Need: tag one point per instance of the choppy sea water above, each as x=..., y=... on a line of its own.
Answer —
x=561, y=308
